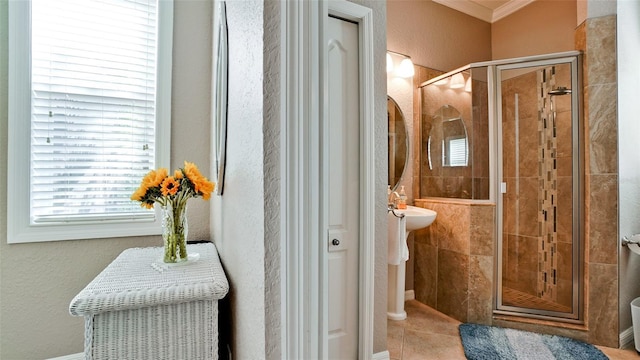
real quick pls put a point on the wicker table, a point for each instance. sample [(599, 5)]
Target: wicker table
[(140, 308)]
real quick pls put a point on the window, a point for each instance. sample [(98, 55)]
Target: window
[(89, 115), (455, 151)]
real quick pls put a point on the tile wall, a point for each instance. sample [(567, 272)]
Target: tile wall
[(455, 271), (596, 37)]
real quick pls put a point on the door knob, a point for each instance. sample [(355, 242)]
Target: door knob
[(335, 242)]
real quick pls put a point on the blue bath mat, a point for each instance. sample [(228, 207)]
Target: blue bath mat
[(483, 342)]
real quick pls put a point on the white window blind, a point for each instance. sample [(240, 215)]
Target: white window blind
[(457, 152), (93, 103)]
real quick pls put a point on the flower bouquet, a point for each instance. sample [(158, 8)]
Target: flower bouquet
[(172, 193)]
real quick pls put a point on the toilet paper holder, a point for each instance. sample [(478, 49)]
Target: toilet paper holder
[(633, 239), (632, 242)]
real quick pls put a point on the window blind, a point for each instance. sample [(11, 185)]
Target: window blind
[(93, 105), (458, 152)]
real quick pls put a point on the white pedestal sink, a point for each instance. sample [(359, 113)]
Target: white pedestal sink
[(416, 218)]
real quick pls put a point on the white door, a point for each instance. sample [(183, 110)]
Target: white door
[(343, 170)]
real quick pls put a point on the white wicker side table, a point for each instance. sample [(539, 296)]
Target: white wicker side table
[(140, 308)]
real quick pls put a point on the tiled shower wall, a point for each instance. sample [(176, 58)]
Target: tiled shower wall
[(455, 249), (596, 37), (537, 167)]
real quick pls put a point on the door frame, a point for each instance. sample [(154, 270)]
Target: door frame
[(574, 60), (304, 98)]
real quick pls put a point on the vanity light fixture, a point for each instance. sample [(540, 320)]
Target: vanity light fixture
[(405, 68), (389, 63), (441, 82), (467, 85), (457, 81)]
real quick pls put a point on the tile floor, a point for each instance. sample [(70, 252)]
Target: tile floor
[(517, 298), (429, 335)]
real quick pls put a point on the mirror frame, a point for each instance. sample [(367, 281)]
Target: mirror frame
[(220, 95), (407, 142)]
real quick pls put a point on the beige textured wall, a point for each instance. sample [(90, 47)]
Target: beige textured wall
[(38, 281), (541, 27), (271, 170), (436, 36), (380, 134), (238, 230)]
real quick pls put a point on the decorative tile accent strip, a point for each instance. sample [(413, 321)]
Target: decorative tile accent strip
[(548, 175)]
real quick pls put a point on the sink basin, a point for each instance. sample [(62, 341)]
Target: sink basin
[(417, 218)]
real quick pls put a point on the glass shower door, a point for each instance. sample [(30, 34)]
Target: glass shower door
[(539, 202)]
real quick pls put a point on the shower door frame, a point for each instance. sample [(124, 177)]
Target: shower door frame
[(494, 74)]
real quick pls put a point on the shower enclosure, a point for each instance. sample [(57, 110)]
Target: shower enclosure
[(520, 121)]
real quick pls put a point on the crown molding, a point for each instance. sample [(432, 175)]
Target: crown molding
[(469, 8), (483, 13), (509, 8)]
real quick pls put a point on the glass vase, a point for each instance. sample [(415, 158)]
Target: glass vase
[(174, 231)]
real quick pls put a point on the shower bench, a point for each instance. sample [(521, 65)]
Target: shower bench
[(141, 308)]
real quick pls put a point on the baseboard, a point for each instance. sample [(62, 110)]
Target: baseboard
[(383, 355), (626, 339), (78, 356), (409, 295)]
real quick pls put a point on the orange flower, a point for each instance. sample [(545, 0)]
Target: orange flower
[(170, 186), (158, 186), (139, 194), (148, 205), (204, 187), (191, 171), (201, 185), (154, 178), (161, 174)]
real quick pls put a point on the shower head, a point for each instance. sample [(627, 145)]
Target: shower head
[(560, 90)]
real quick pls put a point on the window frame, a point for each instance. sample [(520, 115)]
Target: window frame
[(19, 227)]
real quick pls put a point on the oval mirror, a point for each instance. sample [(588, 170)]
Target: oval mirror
[(398, 142), (448, 142)]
